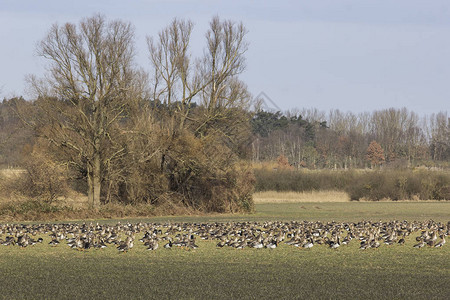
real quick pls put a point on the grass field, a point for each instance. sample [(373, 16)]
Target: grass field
[(389, 272), (328, 211)]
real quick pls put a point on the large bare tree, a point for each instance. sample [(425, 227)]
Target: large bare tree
[(223, 61), (203, 102), (90, 86)]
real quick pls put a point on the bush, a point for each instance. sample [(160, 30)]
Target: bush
[(29, 206), (401, 185), (181, 172), (370, 185), (30, 209), (44, 178), (301, 181)]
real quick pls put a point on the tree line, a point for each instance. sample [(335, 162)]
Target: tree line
[(314, 139)]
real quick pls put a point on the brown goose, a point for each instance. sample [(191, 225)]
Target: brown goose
[(441, 243), (126, 246), (152, 245), (420, 245)]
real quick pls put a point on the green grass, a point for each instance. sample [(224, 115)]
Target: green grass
[(357, 211), (326, 211), (395, 272)]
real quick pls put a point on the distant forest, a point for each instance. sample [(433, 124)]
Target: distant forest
[(313, 139), (308, 139)]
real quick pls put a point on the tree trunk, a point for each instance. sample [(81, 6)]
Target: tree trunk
[(94, 182), (90, 186)]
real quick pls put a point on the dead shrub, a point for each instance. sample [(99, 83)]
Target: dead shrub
[(181, 173), (209, 177), (45, 179)]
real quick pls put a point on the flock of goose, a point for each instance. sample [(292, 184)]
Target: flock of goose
[(238, 235)]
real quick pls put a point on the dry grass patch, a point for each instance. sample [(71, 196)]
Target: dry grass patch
[(74, 200), (11, 173), (297, 197), (8, 179)]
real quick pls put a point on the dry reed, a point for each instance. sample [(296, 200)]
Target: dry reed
[(294, 197)]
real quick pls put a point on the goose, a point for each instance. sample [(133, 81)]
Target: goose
[(420, 245), (335, 244), (308, 244), (153, 245), (54, 242), (9, 241), (271, 245), (430, 239), (241, 245), (34, 242), (86, 244), (402, 240), (279, 237), (100, 244), (390, 239), (293, 240), (441, 243), (374, 244), (257, 245), (146, 237), (169, 244), (23, 241), (255, 241), (125, 246), (346, 240), (191, 243), (77, 244), (221, 243), (434, 236), (364, 245)]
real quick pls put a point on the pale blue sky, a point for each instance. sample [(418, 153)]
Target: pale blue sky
[(353, 55)]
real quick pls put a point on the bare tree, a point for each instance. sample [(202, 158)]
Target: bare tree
[(217, 125), (90, 86), (212, 80), (224, 59), (225, 97), (176, 81), (440, 136), (313, 115)]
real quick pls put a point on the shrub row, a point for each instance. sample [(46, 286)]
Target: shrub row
[(400, 185), (299, 181), (369, 185)]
